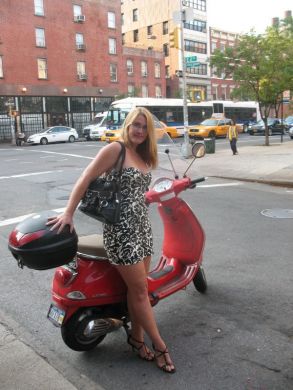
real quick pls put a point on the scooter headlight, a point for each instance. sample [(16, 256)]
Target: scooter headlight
[(162, 184)]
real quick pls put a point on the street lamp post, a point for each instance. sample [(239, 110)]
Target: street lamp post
[(10, 105), (186, 146)]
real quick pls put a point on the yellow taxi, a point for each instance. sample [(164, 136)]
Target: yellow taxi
[(160, 127), (212, 128)]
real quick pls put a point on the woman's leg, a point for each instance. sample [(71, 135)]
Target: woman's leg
[(141, 309), (137, 331)]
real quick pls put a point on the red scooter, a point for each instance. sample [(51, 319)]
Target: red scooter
[(88, 294)]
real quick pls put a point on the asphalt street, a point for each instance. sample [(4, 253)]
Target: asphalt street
[(237, 336)]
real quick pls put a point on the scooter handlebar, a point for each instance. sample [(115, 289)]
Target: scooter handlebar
[(194, 182)]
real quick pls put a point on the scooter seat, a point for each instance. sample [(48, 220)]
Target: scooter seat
[(92, 245)]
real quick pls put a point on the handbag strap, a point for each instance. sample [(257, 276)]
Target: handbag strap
[(120, 160)]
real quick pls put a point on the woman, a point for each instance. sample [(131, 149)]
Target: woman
[(233, 135), (129, 243)]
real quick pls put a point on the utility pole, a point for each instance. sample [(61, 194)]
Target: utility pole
[(186, 146)]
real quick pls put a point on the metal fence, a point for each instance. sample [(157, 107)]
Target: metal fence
[(32, 114)]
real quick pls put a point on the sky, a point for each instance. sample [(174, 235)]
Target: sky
[(241, 16)]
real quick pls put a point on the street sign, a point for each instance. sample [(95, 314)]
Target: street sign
[(179, 73), (192, 65), (190, 59)]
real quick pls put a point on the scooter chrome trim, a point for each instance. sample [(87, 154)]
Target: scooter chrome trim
[(102, 326)]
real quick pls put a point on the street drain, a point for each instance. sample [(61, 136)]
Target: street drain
[(277, 213)]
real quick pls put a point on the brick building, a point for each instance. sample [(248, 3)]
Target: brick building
[(62, 62), (221, 88)]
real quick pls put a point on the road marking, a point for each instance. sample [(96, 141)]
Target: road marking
[(219, 185), (28, 174), (63, 154), (12, 221)]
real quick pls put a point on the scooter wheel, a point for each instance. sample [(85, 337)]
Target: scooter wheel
[(75, 333), (199, 281)]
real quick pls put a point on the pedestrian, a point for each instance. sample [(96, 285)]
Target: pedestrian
[(129, 243), (233, 136)]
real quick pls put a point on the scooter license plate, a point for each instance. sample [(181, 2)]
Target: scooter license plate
[(56, 315)]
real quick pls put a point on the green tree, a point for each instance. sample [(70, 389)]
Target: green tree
[(261, 66)]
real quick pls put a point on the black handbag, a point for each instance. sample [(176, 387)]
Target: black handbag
[(102, 199)]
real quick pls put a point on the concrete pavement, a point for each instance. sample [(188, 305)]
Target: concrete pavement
[(24, 369)]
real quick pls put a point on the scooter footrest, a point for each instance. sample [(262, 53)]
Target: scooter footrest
[(162, 272)]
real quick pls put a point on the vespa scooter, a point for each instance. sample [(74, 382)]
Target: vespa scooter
[(88, 294)]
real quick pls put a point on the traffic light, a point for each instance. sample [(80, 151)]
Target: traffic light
[(174, 38)]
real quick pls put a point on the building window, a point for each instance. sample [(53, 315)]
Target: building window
[(40, 37), (144, 91), (157, 70), (42, 68), (144, 68), (195, 47), (123, 39), (79, 39), (135, 15), (197, 4), (158, 91), (167, 71), (165, 28), (149, 30), (1, 68), (214, 46), (166, 49), (196, 25), (135, 35), (129, 64), (130, 90), (112, 46), (201, 69), (122, 19), (111, 20), (77, 11), (80, 68), (113, 72), (39, 8)]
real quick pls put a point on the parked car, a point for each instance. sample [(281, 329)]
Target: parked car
[(160, 127), (288, 122), (275, 126), (247, 125), (212, 128), (95, 129), (53, 134)]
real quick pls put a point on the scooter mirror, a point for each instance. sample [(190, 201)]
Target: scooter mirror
[(198, 150)]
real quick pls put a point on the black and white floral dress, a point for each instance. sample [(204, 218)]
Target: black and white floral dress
[(130, 240)]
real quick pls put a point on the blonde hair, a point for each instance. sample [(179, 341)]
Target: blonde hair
[(148, 149)]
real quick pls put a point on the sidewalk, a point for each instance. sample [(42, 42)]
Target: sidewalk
[(263, 164), (22, 368)]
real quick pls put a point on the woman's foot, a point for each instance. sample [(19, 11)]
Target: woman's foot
[(139, 346), (164, 361)]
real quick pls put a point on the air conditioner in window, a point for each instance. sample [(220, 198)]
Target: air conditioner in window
[(82, 76), (80, 46), (144, 74), (79, 18)]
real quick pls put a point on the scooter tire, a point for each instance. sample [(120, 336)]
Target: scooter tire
[(200, 282), (72, 333)]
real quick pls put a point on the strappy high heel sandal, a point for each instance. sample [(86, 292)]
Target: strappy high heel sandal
[(148, 355), (167, 367)]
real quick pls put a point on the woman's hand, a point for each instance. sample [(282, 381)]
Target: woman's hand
[(60, 221)]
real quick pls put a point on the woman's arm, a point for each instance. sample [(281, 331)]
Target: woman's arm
[(102, 163)]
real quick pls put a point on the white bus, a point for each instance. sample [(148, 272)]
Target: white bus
[(170, 111)]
